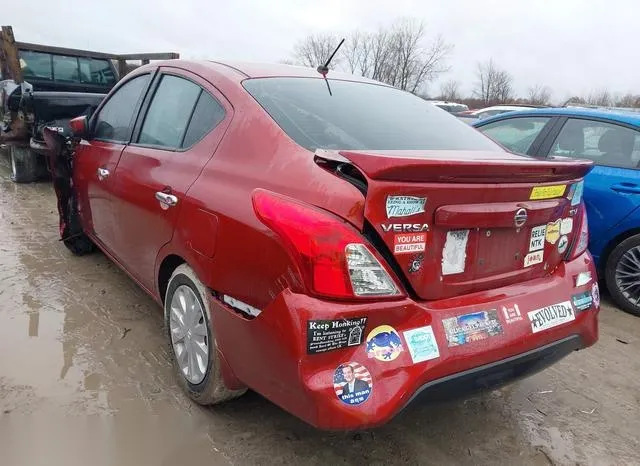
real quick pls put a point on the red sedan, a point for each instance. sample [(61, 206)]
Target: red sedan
[(337, 245)]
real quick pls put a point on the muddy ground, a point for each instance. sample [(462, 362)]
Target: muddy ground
[(85, 379)]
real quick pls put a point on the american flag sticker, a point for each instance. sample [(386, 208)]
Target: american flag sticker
[(352, 383)]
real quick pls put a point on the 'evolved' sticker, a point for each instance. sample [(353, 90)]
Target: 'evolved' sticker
[(582, 301), (471, 327), (566, 225), (404, 206), (384, 343), (408, 242), (551, 316), (547, 192), (595, 294), (327, 335), (422, 344), (454, 252), (511, 314), (533, 258), (563, 242), (536, 242), (553, 231), (352, 383)]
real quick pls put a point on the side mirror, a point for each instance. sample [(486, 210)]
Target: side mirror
[(80, 127)]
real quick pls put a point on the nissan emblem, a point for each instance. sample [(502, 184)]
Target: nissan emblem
[(520, 218)]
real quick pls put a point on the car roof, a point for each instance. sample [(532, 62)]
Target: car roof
[(630, 118)]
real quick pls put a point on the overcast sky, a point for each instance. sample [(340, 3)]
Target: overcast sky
[(573, 46)]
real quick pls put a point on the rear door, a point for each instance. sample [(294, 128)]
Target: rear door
[(96, 159), (612, 188), (180, 127)]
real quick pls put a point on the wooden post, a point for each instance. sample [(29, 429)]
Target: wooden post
[(9, 59), (122, 68)]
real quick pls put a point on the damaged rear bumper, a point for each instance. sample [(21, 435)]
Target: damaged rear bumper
[(276, 355)]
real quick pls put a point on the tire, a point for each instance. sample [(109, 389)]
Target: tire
[(24, 164), (210, 389), (620, 265)]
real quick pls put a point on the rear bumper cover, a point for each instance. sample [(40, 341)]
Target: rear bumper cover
[(270, 353)]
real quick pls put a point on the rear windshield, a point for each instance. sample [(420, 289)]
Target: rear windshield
[(360, 116)]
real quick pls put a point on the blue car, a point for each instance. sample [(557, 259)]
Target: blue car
[(611, 190)]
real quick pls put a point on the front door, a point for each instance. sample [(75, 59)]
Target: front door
[(96, 159), (181, 129), (612, 188)]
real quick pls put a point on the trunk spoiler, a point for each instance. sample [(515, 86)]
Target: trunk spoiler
[(458, 166)]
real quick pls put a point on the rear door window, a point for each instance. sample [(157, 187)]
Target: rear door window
[(114, 121), (605, 143), (35, 64), (206, 116), (169, 113), (516, 134)]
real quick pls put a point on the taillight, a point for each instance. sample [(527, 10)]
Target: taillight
[(334, 259), (581, 241)]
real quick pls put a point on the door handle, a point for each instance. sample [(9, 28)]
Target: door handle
[(166, 200), (628, 188), (103, 173)]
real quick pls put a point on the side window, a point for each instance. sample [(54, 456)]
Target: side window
[(95, 71), (65, 69), (207, 115), (114, 120), (604, 143), (169, 113), (516, 134), (35, 64)]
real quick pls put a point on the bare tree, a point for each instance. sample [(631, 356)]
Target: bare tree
[(539, 95), (601, 97), (494, 85), (315, 50), (396, 55), (450, 90), (628, 100)]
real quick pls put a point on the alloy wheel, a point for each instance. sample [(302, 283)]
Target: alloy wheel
[(627, 275)]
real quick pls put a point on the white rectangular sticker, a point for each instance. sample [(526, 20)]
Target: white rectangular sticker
[(533, 258), (454, 252), (551, 316), (409, 242), (566, 225), (422, 344), (405, 206), (577, 193), (536, 242)]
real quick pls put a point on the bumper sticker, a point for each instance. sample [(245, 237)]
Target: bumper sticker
[(533, 258), (422, 344), (415, 264), (454, 252), (553, 231), (547, 192), (384, 343), (352, 383), (595, 295), (563, 242), (328, 335), (582, 301), (536, 241), (405, 206), (408, 243), (566, 225), (511, 314), (472, 327), (551, 316)]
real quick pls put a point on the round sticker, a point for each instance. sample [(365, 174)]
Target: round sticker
[(384, 344), (352, 383), (595, 295), (563, 242)]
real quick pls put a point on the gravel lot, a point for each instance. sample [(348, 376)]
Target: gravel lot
[(85, 379)]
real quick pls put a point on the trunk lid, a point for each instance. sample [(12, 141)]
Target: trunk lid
[(459, 222)]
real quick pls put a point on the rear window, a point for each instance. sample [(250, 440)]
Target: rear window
[(360, 116), (35, 64)]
